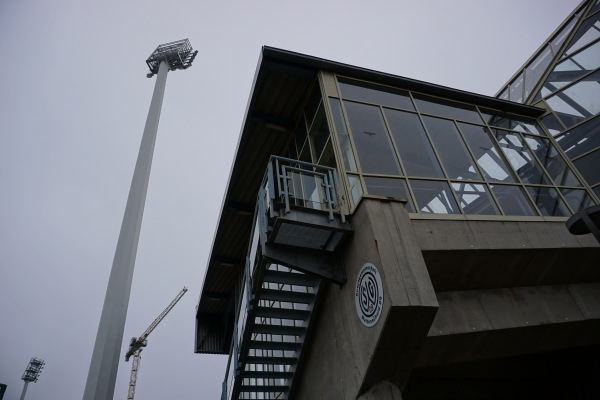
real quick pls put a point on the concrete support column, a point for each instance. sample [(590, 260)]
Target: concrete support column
[(102, 374)]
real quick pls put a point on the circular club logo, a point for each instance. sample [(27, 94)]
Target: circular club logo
[(369, 295)]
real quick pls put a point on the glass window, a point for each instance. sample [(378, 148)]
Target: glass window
[(312, 105), (486, 154), (456, 160), (587, 33), (512, 200), (447, 109), (588, 167), (355, 188), (389, 187), (597, 190), (555, 165), (413, 145), (340, 127), (516, 89), (534, 71), (319, 132), (371, 139), (578, 199), (562, 35), (300, 134), (578, 102), (474, 198), (508, 121), (434, 197), (376, 94), (521, 158), (552, 124), (582, 139), (548, 201)]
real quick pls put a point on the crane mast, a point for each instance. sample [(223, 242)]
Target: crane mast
[(136, 345)]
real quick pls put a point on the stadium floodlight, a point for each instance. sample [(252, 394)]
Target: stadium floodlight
[(32, 373)]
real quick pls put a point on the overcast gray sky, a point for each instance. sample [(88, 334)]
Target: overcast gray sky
[(73, 103)]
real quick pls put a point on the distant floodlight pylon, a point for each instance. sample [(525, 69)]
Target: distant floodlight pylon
[(102, 374), (32, 373)]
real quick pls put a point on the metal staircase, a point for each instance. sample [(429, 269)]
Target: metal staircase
[(296, 233)]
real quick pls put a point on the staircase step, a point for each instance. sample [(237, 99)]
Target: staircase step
[(282, 313), (290, 278), (286, 296), (263, 388), (268, 374), (271, 360), (279, 329), (272, 345)]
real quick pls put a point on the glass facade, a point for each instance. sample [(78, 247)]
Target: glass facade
[(564, 78)]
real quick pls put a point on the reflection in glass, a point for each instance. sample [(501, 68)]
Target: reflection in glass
[(535, 69), (562, 35), (587, 33), (376, 94), (582, 139), (448, 109), (596, 190), (548, 201), (516, 89), (371, 139), (306, 190), (520, 158), (552, 125), (434, 197), (486, 154), (578, 199), (556, 167), (577, 102), (411, 141), (456, 160), (319, 132), (588, 167), (474, 198), (512, 200), (512, 122), (355, 188), (389, 187), (340, 127)]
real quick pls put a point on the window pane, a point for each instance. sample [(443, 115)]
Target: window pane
[(556, 167), (474, 198), (562, 35), (411, 141), (371, 139), (447, 109), (486, 154), (576, 66), (319, 132), (548, 201), (577, 102), (587, 33), (578, 199), (582, 139), (434, 197), (452, 150), (521, 158), (508, 121), (512, 200), (588, 167), (376, 94), (355, 188), (389, 187), (340, 127), (534, 71), (516, 89), (551, 123)]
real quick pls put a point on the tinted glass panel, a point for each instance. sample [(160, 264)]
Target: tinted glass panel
[(474, 198), (447, 109), (507, 121), (486, 154), (548, 201), (551, 123), (556, 167), (355, 188), (376, 95), (577, 102), (434, 197), (587, 33), (371, 139), (534, 71), (449, 145), (588, 166), (389, 187), (521, 158), (413, 145), (516, 89), (597, 191), (577, 199), (582, 139), (344, 139), (512, 200), (319, 132), (562, 35)]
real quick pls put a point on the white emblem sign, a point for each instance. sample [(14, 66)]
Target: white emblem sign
[(369, 295)]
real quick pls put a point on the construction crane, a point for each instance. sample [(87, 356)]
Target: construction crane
[(136, 345)]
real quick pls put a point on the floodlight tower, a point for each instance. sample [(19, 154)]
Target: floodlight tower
[(102, 374), (32, 373)]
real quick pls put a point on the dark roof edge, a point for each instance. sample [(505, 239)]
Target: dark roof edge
[(289, 57)]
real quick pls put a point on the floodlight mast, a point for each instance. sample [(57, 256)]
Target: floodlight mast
[(32, 373), (102, 375)]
